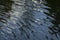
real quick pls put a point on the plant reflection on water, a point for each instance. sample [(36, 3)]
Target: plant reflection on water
[(29, 20)]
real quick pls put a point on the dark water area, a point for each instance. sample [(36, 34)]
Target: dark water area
[(29, 19)]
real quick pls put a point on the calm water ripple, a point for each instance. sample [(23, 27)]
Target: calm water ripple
[(29, 20)]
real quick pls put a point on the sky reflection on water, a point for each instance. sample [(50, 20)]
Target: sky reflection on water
[(29, 20)]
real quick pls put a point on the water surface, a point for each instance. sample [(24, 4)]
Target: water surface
[(29, 20)]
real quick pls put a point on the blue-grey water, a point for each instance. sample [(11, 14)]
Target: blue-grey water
[(29, 20)]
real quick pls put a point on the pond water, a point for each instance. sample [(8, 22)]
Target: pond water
[(29, 20)]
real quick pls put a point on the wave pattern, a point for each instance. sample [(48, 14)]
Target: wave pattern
[(27, 20)]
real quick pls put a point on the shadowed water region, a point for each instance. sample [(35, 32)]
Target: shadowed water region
[(29, 19)]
